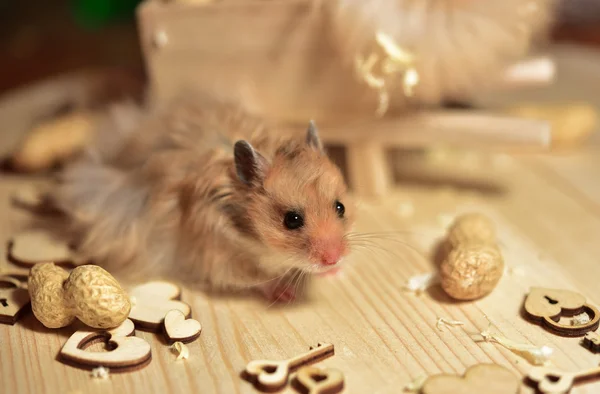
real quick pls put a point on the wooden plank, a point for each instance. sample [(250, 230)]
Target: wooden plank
[(459, 128)]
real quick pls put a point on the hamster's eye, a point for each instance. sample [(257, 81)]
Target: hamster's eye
[(340, 209), (293, 220)]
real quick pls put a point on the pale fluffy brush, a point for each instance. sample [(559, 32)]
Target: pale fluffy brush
[(459, 46)]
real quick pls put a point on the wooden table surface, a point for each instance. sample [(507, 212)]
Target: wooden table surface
[(547, 211)]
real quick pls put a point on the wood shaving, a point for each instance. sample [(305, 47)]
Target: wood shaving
[(100, 373), (581, 319), (419, 283), (416, 385), (534, 354), (443, 322), (181, 350), (515, 271), (387, 62)]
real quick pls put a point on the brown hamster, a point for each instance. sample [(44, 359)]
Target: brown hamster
[(204, 192)]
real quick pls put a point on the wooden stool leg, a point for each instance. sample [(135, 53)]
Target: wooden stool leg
[(368, 169)]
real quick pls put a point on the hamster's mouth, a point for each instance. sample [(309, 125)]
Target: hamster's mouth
[(324, 270)]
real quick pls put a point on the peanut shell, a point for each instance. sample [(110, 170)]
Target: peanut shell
[(471, 271), (48, 300), (97, 298), (471, 228)]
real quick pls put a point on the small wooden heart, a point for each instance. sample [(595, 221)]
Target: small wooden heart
[(37, 246), (151, 301), (180, 329), (13, 300), (546, 306), (480, 378), (125, 351), (313, 380)]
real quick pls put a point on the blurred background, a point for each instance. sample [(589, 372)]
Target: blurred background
[(41, 38)]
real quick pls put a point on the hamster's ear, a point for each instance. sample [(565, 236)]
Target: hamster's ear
[(251, 166), (312, 137)]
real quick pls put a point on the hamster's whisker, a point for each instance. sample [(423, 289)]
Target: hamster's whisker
[(295, 284), (371, 238), (270, 280), (394, 232), (375, 248), (287, 285), (302, 282)]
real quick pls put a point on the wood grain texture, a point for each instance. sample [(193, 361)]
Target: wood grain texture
[(384, 337), (547, 221)]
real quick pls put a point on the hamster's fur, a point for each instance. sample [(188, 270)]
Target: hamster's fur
[(198, 191)]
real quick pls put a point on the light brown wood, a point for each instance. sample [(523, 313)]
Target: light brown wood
[(384, 337), (553, 381), (272, 375), (126, 352), (313, 380), (367, 142), (546, 306), (469, 129), (592, 342), (179, 329), (368, 169), (480, 378), (152, 301)]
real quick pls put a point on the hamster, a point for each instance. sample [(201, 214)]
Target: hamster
[(203, 192)]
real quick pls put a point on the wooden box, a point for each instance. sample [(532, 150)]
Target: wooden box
[(276, 54)]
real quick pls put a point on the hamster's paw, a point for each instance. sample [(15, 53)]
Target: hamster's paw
[(279, 293)]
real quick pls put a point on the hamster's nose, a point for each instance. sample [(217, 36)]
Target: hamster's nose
[(331, 255)]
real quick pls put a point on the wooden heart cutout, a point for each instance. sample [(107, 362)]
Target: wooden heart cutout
[(152, 301), (546, 306), (127, 351), (37, 246), (179, 329), (592, 341), (313, 380), (13, 300), (480, 378)]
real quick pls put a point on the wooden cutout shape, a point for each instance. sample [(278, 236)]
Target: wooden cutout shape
[(552, 381), (477, 379), (592, 341), (128, 351), (37, 246), (546, 306), (152, 301), (13, 300), (313, 380), (179, 329), (270, 375)]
